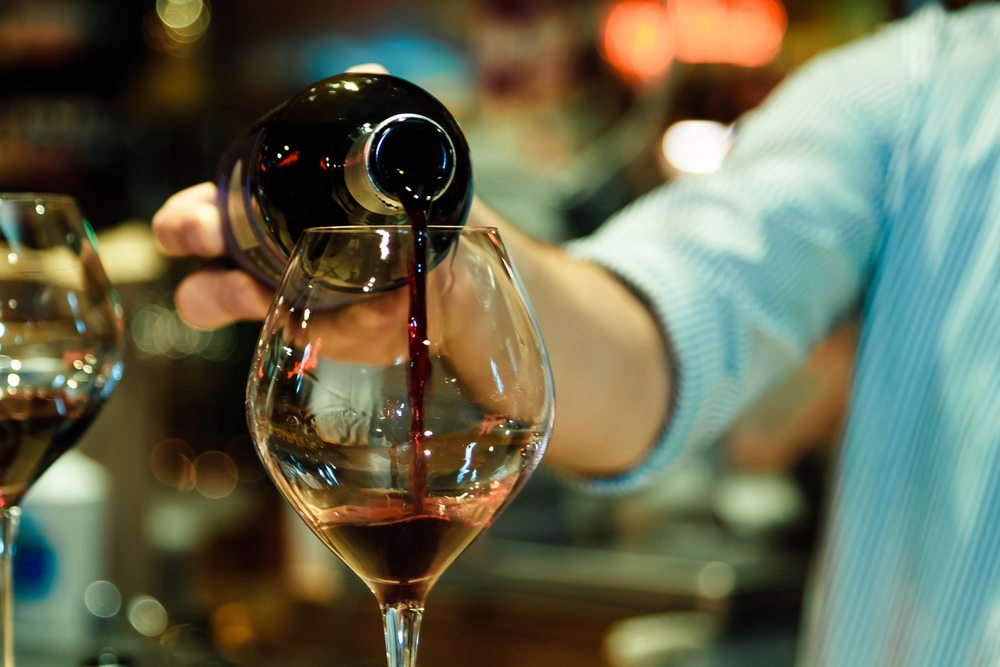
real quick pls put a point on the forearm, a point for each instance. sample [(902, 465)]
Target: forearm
[(609, 358)]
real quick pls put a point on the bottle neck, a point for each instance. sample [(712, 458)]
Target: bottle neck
[(405, 157)]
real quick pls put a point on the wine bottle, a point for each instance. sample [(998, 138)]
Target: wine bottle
[(347, 150)]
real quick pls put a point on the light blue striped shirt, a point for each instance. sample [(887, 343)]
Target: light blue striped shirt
[(869, 178)]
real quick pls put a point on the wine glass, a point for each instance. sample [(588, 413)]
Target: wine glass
[(399, 427), (60, 352)]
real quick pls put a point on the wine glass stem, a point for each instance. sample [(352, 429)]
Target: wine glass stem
[(10, 518), (402, 630)]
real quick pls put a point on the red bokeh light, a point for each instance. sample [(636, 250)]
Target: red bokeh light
[(640, 38), (637, 40), (741, 32)]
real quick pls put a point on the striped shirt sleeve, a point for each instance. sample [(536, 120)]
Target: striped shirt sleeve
[(748, 267)]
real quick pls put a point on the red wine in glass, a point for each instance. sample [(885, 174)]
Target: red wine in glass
[(398, 548), (35, 430), (400, 559)]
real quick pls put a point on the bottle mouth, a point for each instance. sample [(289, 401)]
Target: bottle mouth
[(407, 158)]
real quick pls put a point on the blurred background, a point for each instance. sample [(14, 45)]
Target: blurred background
[(161, 542)]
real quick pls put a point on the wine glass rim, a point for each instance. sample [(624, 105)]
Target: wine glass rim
[(357, 229), (35, 196)]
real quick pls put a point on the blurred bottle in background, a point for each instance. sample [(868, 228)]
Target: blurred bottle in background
[(63, 550)]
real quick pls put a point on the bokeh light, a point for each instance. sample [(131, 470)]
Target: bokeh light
[(177, 26), (172, 462), (147, 615), (103, 599), (641, 38), (179, 14), (659, 639), (216, 475), (107, 657), (716, 580), (696, 146), (232, 627), (159, 332), (752, 503), (741, 32), (637, 39)]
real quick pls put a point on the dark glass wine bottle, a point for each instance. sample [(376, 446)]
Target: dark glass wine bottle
[(347, 150)]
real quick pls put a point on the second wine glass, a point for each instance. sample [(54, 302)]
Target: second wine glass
[(61, 347), (399, 428)]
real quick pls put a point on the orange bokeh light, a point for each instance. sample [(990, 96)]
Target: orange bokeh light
[(637, 40), (640, 38), (741, 32)]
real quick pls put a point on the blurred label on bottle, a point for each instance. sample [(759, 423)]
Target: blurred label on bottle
[(61, 549)]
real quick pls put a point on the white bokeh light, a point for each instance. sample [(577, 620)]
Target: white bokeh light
[(697, 146), (147, 616), (102, 599)]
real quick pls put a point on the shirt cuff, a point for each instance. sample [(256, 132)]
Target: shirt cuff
[(692, 318)]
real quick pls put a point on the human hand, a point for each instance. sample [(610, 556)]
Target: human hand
[(189, 224)]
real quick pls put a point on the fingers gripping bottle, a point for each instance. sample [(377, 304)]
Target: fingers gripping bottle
[(344, 151)]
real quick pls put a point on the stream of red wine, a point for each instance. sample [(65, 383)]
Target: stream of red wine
[(412, 162), (401, 558), (419, 371)]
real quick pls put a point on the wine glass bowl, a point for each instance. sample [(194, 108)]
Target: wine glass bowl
[(397, 460), (60, 336), (60, 349)]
